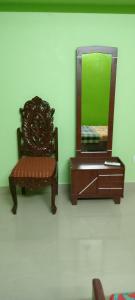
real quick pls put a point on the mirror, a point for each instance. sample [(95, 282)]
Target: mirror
[(96, 72)]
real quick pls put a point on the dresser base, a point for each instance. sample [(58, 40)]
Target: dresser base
[(91, 179)]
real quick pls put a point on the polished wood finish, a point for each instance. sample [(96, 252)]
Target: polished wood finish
[(37, 143), (37, 128), (97, 290), (90, 178), (93, 49)]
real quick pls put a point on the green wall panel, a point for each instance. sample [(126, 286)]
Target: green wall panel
[(37, 57)]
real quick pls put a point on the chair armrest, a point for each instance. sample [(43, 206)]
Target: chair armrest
[(97, 290)]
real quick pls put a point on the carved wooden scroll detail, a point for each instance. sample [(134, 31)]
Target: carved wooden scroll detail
[(37, 128)]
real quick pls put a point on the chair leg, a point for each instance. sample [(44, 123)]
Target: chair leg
[(53, 190), (23, 191), (56, 184), (12, 187)]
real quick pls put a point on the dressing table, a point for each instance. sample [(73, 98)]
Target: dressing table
[(91, 175)]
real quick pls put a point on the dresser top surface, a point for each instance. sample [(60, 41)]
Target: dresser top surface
[(78, 163)]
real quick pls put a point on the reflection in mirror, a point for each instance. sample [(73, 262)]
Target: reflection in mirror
[(95, 95)]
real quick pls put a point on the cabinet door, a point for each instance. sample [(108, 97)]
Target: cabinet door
[(84, 183)]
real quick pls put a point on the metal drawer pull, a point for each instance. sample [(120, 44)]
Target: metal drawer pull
[(111, 175), (110, 188), (88, 185)]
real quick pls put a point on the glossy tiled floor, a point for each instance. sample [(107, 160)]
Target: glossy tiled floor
[(55, 257)]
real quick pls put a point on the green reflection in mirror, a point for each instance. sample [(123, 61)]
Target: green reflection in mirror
[(96, 75)]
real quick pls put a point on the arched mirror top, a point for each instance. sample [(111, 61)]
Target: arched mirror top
[(96, 76)]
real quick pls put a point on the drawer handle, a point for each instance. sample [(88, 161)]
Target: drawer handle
[(110, 188), (110, 175), (88, 185)]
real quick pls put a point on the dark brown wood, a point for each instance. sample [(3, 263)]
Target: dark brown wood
[(117, 200), (97, 290), (12, 187), (23, 191), (93, 49), (36, 138), (91, 178), (37, 128)]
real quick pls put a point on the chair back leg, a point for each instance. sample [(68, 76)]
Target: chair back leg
[(23, 191), (12, 187), (53, 191)]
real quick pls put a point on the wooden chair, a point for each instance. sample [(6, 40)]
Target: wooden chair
[(38, 151), (98, 293), (97, 290)]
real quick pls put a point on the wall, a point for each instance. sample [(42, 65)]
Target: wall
[(37, 57)]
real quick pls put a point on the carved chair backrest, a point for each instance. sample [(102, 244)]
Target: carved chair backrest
[(37, 131)]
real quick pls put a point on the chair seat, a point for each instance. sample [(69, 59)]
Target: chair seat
[(34, 167)]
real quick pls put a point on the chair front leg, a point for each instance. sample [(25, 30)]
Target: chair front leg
[(53, 191), (12, 187)]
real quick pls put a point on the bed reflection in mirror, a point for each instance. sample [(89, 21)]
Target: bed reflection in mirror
[(95, 95)]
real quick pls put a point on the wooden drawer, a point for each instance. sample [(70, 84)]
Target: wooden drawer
[(110, 183), (110, 192), (114, 180)]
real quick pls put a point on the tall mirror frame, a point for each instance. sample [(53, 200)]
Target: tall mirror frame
[(88, 50)]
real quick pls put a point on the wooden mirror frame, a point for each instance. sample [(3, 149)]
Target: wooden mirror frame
[(87, 50)]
